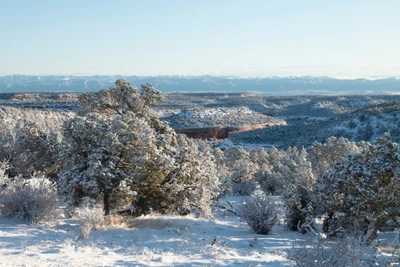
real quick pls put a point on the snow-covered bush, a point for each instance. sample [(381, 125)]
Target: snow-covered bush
[(260, 214), (90, 218), (33, 200), (329, 253)]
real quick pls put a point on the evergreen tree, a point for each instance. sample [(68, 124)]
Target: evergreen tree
[(36, 151), (323, 156), (298, 189), (117, 149), (363, 187)]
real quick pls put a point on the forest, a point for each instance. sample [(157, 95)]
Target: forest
[(325, 173)]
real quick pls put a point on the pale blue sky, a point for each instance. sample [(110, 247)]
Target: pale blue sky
[(340, 38)]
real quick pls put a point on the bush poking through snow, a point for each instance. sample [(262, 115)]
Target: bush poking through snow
[(33, 200), (260, 214), (329, 253), (90, 219)]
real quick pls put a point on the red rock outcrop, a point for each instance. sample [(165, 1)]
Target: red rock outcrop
[(206, 133), (217, 132)]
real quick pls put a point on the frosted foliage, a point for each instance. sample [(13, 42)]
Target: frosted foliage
[(100, 153), (15, 120), (364, 187), (288, 173), (225, 186), (120, 99), (119, 151), (193, 181), (298, 191), (33, 200), (324, 156), (241, 171), (150, 95), (36, 151), (329, 253), (89, 219), (260, 214), (273, 170), (3, 176)]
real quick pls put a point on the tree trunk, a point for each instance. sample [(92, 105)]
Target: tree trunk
[(106, 204), (326, 222)]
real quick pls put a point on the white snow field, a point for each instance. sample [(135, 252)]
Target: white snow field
[(154, 240)]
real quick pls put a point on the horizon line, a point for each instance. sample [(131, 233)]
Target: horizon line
[(369, 77)]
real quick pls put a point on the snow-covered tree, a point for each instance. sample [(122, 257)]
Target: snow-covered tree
[(241, 170), (197, 177), (272, 171), (289, 173), (298, 190), (323, 156), (117, 149), (225, 187), (36, 151), (363, 187)]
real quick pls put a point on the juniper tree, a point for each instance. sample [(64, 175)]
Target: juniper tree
[(298, 187), (118, 149), (241, 170), (36, 151), (323, 156), (364, 187)]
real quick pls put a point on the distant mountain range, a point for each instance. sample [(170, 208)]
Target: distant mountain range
[(271, 86)]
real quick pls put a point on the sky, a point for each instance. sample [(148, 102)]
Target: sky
[(245, 38)]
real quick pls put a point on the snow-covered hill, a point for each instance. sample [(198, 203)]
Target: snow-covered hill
[(217, 117)]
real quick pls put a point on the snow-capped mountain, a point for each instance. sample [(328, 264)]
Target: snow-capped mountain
[(306, 85)]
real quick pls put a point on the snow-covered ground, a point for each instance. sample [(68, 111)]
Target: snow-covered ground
[(154, 240)]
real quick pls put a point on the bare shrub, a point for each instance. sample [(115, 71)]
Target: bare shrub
[(329, 253), (260, 214), (33, 200)]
